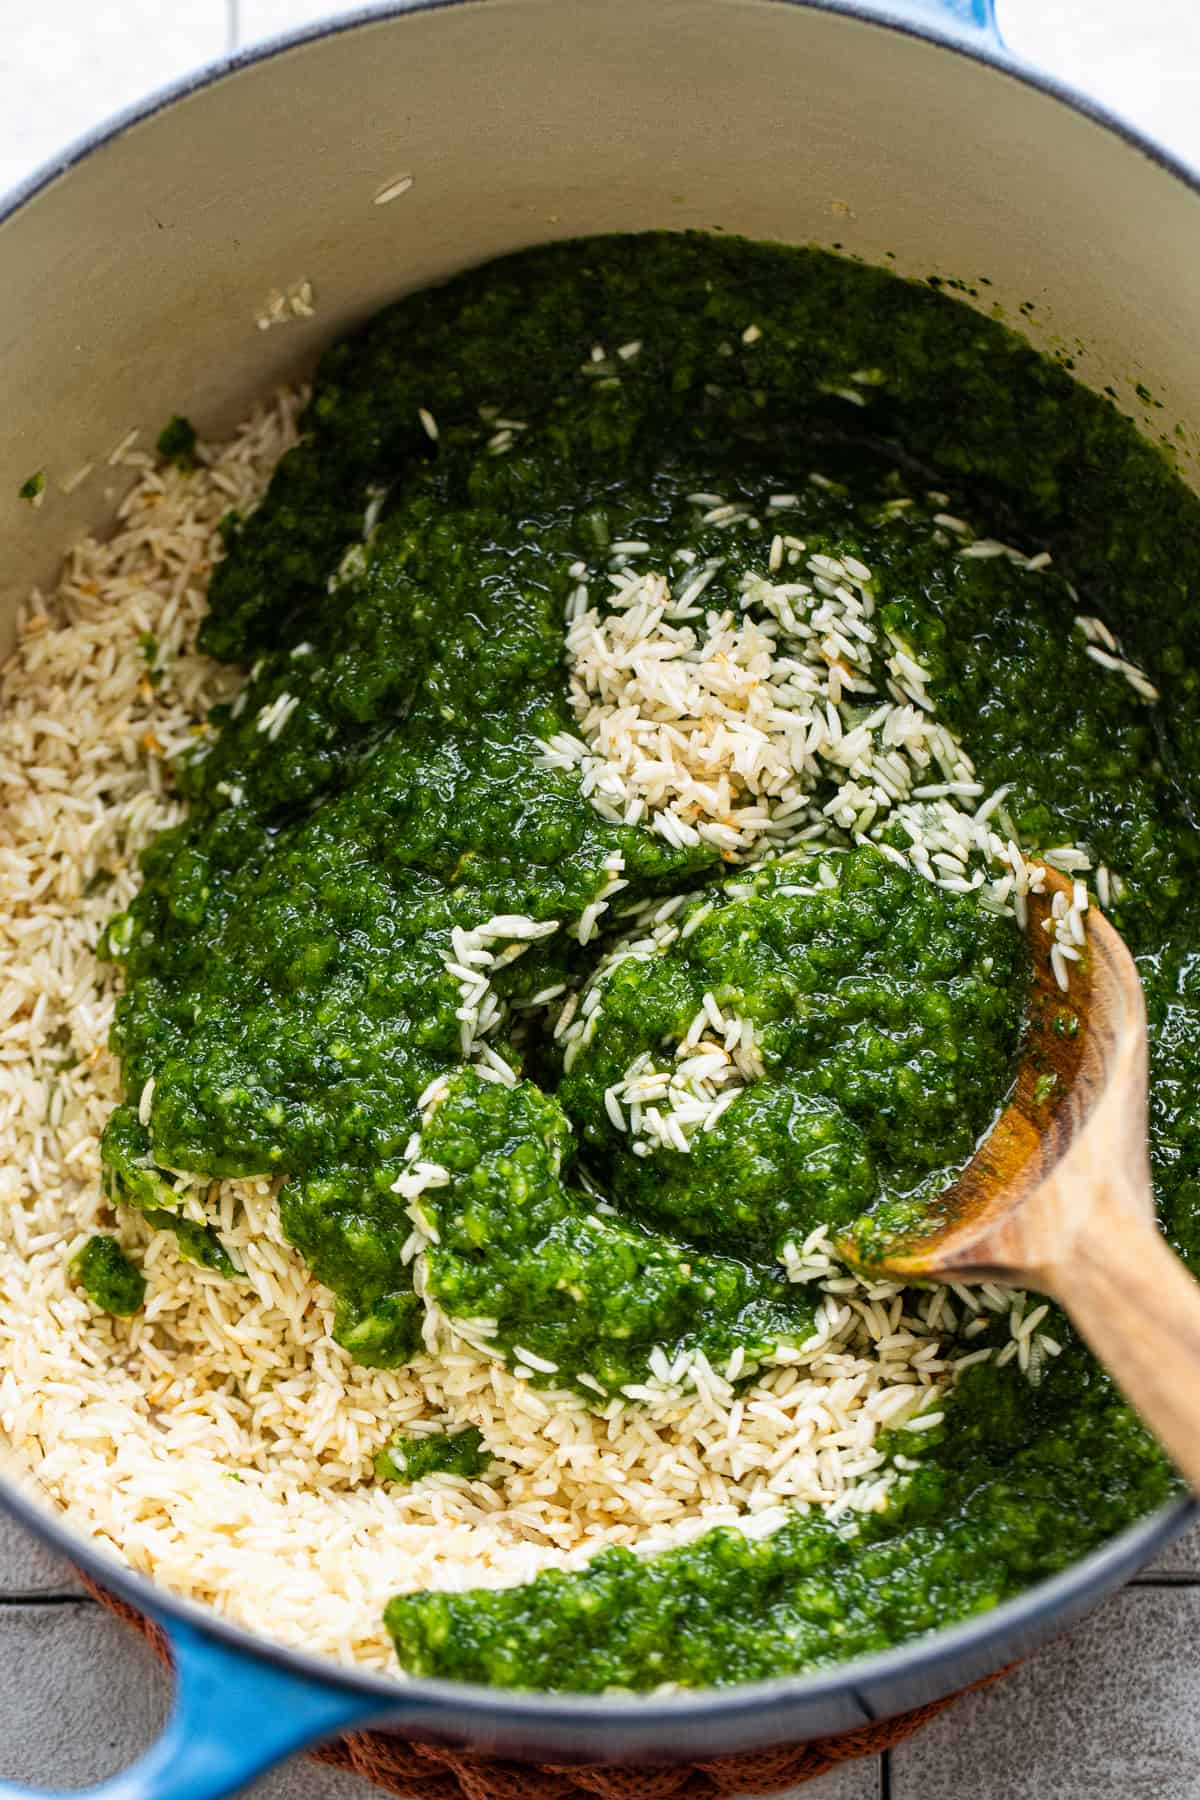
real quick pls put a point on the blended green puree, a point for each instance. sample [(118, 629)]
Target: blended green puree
[(107, 1276), (410, 1458), (380, 787)]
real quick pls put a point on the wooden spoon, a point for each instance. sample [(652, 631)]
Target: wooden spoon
[(1058, 1197)]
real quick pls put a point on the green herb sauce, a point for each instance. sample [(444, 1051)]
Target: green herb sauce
[(410, 1458), (108, 1278), (381, 783), (887, 1019), (177, 443)]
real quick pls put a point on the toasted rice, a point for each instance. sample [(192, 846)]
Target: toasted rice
[(220, 1441)]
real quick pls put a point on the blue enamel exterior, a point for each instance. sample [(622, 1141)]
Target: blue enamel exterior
[(240, 1707), (234, 1716)]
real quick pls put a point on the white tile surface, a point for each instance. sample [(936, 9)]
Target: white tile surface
[(27, 1567), (1110, 1713), (73, 63), (1141, 60), (78, 1698)]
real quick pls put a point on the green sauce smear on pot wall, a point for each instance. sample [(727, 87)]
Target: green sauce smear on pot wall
[(381, 783)]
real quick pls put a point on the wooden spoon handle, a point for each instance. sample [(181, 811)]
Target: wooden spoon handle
[(1139, 1309)]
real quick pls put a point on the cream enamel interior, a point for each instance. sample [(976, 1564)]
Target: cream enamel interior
[(132, 283)]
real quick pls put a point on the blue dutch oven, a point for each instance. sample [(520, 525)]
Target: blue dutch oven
[(381, 154)]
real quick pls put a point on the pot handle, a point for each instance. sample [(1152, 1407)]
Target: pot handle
[(974, 19), (235, 1714)]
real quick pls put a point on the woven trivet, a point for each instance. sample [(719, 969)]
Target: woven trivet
[(434, 1772)]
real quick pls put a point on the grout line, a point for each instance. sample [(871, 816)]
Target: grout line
[(1167, 1580), (42, 1599), (867, 1710), (885, 1775)]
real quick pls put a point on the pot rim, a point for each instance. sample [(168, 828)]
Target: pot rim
[(435, 1698), (432, 1696), (980, 44)]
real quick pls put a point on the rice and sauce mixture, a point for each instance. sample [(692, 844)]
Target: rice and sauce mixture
[(500, 904)]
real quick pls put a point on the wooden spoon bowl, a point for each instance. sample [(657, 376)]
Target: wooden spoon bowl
[(1058, 1195)]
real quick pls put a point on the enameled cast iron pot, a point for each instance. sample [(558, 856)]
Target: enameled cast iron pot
[(132, 277)]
